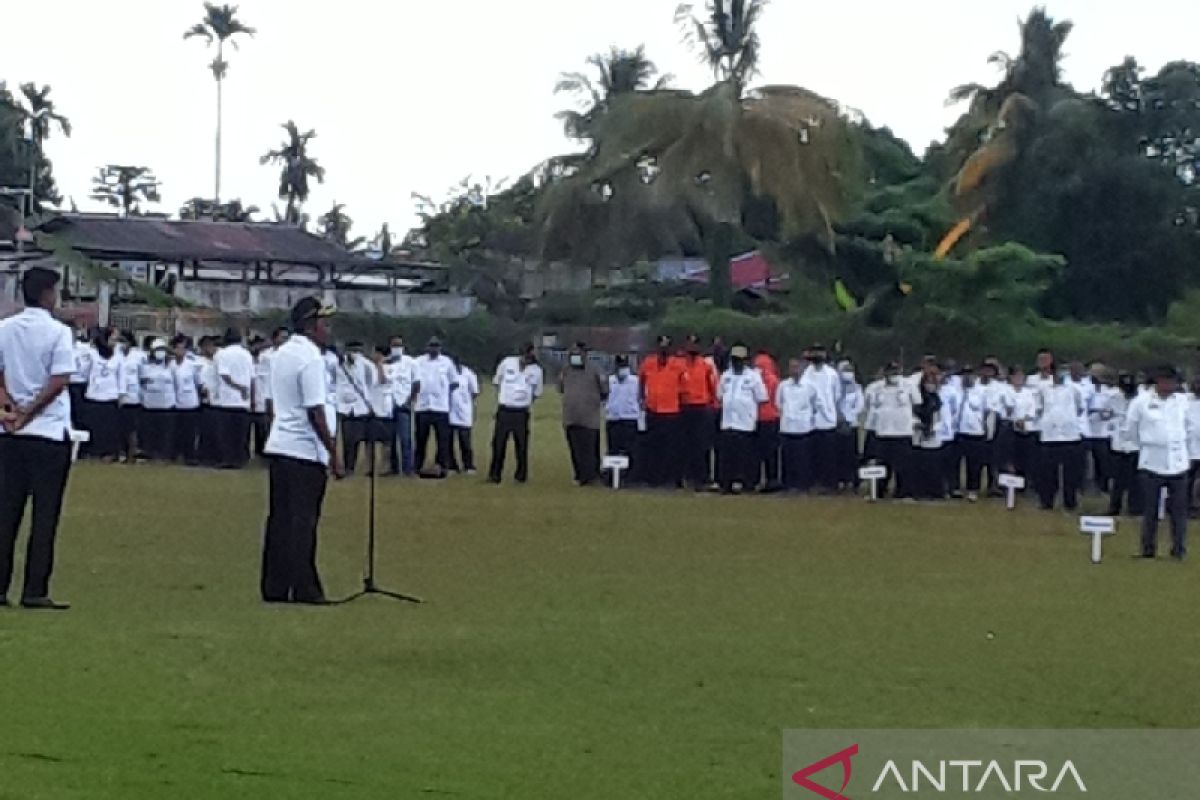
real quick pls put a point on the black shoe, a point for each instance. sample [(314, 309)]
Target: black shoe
[(43, 604)]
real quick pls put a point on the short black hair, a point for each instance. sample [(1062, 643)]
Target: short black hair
[(233, 336), (147, 341), (36, 282)]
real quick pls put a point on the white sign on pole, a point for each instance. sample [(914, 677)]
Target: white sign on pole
[(1011, 484), (1097, 528), (78, 438), (873, 474), (1162, 503), (616, 465)]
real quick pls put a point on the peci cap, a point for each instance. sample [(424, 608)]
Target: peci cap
[(739, 351), (310, 308)]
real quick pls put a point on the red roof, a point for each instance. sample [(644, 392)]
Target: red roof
[(750, 271)]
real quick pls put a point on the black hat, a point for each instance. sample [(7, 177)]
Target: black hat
[(309, 308)]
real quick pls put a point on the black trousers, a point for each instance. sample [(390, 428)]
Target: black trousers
[(103, 421), (1126, 490), (289, 561), (697, 432), (37, 469), (437, 424), (976, 451), (260, 429), (622, 437), (797, 462), (1177, 511), (895, 453), (461, 440), (584, 444), (511, 423), (210, 436), (354, 433), (187, 436), (131, 424), (952, 454), (664, 450), (766, 446), (739, 460), (1024, 458), (847, 457), (233, 437), (1060, 462), (824, 446), (76, 392), (157, 436), (928, 480), (1098, 452)]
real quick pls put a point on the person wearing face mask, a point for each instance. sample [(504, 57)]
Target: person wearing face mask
[(741, 391), (158, 404), (1060, 407), (661, 377), (101, 399), (928, 470), (462, 417), (401, 372), (185, 368), (828, 386), (974, 423), (1159, 423), (621, 411), (437, 381), (1124, 493), (797, 403), (584, 390), (893, 406), (850, 412), (519, 382), (355, 380)]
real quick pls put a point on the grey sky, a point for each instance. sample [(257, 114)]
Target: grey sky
[(412, 96)]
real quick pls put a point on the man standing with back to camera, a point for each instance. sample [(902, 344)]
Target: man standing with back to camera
[(301, 451), (36, 362)]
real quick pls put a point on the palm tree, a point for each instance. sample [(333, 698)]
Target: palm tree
[(296, 167), (335, 225), (233, 211), (726, 36), (39, 114), (220, 24), (40, 111), (125, 187), (617, 72), (383, 242)]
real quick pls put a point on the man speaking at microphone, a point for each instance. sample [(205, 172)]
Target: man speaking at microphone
[(301, 451)]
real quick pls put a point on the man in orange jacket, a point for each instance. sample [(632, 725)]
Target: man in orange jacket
[(661, 379), (767, 433), (699, 399)]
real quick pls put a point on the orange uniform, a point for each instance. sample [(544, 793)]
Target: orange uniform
[(699, 382), (768, 411), (662, 384)]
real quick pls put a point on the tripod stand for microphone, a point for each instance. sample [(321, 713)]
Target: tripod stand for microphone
[(369, 585)]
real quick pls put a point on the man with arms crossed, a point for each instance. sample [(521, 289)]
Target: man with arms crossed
[(37, 359), (301, 450)]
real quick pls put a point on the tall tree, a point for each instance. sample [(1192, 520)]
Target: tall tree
[(726, 35), (233, 211), (25, 124), (296, 166), (125, 187), (616, 72), (220, 25)]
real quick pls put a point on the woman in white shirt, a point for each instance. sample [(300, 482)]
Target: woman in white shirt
[(186, 367), (974, 422), (893, 404), (740, 392), (928, 462), (157, 382), (101, 398), (131, 397), (797, 402), (622, 410), (462, 418), (851, 405), (1060, 406), (1125, 491)]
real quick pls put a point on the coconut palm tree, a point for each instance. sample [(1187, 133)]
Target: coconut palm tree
[(220, 25), (125, 187), (335, 225), (726, 35), (296, 167), (37, 116), (616, 72)]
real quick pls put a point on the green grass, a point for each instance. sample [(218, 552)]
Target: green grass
[(575, 644)]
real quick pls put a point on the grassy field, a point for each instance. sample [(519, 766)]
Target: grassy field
[(575, 643)]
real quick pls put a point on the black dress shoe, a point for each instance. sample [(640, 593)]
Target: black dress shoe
[(43, 604)]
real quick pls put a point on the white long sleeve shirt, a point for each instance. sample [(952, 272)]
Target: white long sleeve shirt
[(1059, 409), (1193, 414), (1118, 408), (797, 404), (158, 386), (1034, 383), (462, 402), (187, 382), (893, 407), (1161, 428), (83, 352), (105, 379), (948, 419), (740, 397), (235, 365), (131, 383), (623, 404), (356, 377), (974, 412), (827, 383), (851, 404)]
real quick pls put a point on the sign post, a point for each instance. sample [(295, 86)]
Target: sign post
[(78, 438), (873, 474), (1097, 528), (1162, 504), (616, 465), (1011, 484)]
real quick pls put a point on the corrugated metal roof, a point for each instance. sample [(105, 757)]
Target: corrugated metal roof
[(180, 240)]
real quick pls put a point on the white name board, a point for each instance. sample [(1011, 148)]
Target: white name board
[(1097, 526), (1011, 482), (872, 473), (616, 462)]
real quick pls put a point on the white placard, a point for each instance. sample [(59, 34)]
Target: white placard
[(1097, 526), (78, 438), (873, 473), (1011, 482), (616, 462)]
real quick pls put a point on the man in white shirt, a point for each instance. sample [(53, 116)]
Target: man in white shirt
[(974, 422), (1159, 423), (356, 377), (260, 412), (235, 397), (301, 452), (157, 381), (740, 391), (401, 372), (1096, 385), (621, 410), (519, 383), (79, 378), (894, 402), (435, 375), (1126, 491), (1060, 451), (951, 395), (462, 417), (37, 359), (210, 415), (797, 403), (186, 366), (827, 383)]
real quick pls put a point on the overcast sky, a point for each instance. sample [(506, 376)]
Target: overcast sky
[(412, 95)]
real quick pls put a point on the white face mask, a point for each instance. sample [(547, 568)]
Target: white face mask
[(576, 360), (160, 356), (623, 373), (397, 352)]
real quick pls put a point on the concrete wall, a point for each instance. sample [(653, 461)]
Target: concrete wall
[(235, 297)]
